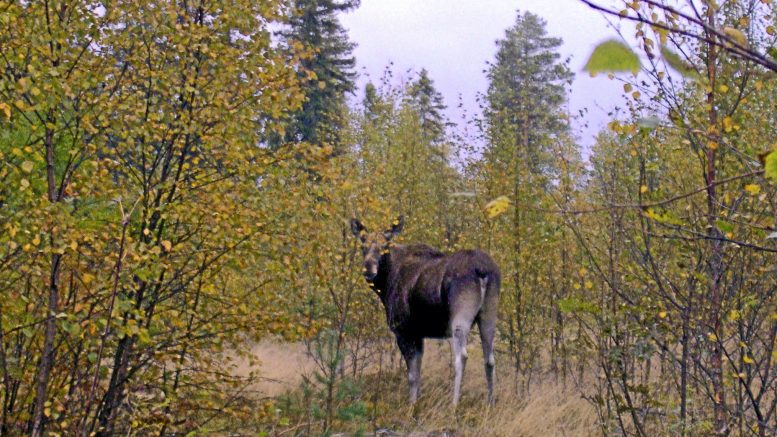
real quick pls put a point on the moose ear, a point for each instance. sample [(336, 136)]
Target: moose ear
[(357, 228), (396, 228)]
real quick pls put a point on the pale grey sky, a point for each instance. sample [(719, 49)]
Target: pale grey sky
[(453, 40)]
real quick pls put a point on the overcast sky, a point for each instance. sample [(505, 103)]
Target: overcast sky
[(453, 40)]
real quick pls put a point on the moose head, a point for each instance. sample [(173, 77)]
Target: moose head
[(375, 244)]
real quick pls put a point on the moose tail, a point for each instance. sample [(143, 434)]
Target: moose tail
[(489, 282)]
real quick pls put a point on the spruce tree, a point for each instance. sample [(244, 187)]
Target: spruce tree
[(428, 102), (527, 89), (327, 74), (525, 124)]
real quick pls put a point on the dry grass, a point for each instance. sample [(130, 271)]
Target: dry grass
[(280, 366), (548, 409)]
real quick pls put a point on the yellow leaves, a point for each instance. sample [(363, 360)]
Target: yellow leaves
[(728, 124), (24, 184), (662, 314), (19, 105), (26, 166), (643, 189), (662, 35), (753, 189), (747, 359), (662, 218), (723, 88), (167, 245), (737, 35), (23, 84), (6, 110), (497, 206), (87, 278)]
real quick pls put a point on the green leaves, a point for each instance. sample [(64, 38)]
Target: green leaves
[(650, 122), (724, 226), (577, 305), (677, 63), (612, 57)]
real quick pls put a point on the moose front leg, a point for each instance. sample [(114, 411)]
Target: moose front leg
[(413, 351)]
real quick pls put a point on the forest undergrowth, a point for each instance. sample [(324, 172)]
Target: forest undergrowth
[(550, 407)]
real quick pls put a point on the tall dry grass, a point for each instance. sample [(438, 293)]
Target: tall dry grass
[(549, 408)]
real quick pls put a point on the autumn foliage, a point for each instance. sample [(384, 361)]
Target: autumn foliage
[(166, 201)]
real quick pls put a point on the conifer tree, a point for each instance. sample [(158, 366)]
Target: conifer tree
[(524, 124), (327, 73), (527, 87), (428, 102)]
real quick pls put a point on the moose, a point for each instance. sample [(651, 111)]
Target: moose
[(427, 294)]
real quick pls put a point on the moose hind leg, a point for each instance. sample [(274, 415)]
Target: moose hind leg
[(413, 352), (487, 328), (459, 348)]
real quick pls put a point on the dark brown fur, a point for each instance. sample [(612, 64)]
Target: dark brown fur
[(427, 294)]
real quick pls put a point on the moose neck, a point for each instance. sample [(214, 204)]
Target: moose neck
[(380, 283)]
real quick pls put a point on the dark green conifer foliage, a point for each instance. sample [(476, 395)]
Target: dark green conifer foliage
[(527, 88), (428, 102), (315, 25), (526, 128)]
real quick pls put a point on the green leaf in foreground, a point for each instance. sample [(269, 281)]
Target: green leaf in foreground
[(649, 122), (677, 63), (724, 226), (770, 166), (612, 56), (576, 305), (771, 51)]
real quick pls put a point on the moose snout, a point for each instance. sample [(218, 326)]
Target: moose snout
[(370, 273)]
